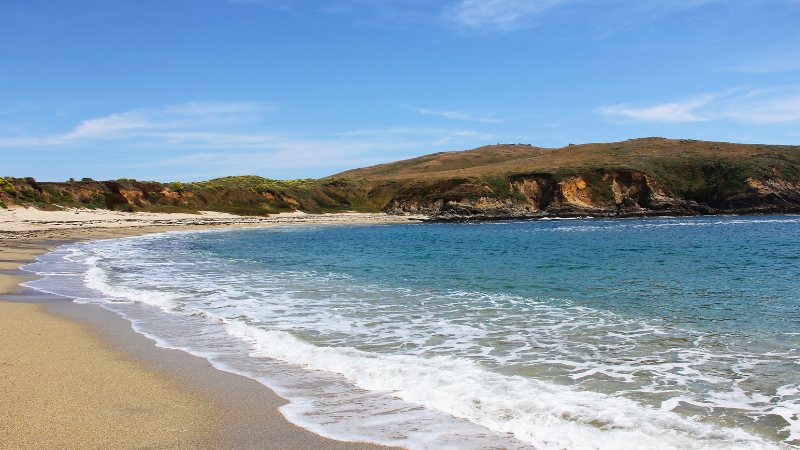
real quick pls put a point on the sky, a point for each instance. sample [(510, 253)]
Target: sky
[(190, 90)]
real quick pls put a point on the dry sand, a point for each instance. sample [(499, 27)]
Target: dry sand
[(63, 388), (27, 223), (77, 376)]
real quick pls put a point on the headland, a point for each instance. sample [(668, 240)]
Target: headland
[(634, 178)]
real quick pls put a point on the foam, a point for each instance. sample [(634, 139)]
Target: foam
[(547, 415), (599, 379), (639, 224)]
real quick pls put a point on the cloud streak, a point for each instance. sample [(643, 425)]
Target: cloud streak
[(491, 15), (503, 15), (171, 120), (216, 138), (461, 115), (342, 151), (510, 15), (668, 112), (759, 106)]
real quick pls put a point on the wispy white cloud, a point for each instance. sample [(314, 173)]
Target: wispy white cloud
[(491, 15), (462, 115), (422, 135), (173, 120), (509, 15), (452, 137), (217, 125), (765, 106), (504, 15), (760, 106), (283, 5), (284, 155), (357, 148), (670, 112), (216, 138)]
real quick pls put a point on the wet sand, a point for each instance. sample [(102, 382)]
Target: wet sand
[(77, 376)]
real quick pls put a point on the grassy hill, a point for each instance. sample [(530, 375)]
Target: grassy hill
[(245, 195), (649, 176), (662, 176), (647, 155)]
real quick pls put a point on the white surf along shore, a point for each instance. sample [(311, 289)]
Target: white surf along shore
[(429, 404)]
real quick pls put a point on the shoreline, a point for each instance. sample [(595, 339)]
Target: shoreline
[(29, 223), (59, 355)]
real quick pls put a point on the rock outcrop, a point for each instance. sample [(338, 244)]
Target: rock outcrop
[(244, 195), (638, 177), (621, 193)]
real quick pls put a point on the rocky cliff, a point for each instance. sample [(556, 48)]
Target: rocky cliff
[(640, 177), (245, 195), (614, 194)]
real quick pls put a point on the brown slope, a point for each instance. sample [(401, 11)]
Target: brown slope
[(649, 176), (639, 154), (638, 177)]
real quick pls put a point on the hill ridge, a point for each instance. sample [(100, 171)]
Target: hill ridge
[(637, 177)]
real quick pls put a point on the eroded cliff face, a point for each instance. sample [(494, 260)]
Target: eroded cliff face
[(538, 190), (130, 196), (622, 193), (766, 196), (248, 195), (465, 208), (573, 193), (716, 187)]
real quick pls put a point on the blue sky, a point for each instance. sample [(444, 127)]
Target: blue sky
[(195, 89)]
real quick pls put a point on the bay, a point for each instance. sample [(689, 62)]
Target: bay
[(637, 333)]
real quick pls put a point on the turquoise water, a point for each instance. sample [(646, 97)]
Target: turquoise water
[(577, 334)]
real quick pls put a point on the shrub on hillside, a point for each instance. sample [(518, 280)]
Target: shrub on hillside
[(7, 187)]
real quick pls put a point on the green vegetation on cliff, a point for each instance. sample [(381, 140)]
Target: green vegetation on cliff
[(721, 176), (246, 195), (637, 176)]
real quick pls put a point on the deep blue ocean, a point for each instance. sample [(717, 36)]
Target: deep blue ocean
[(658, 333)]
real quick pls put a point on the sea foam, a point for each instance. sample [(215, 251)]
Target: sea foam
[(441, 368)]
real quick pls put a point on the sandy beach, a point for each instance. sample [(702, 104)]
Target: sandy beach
[(77, 376), (29, 223)]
